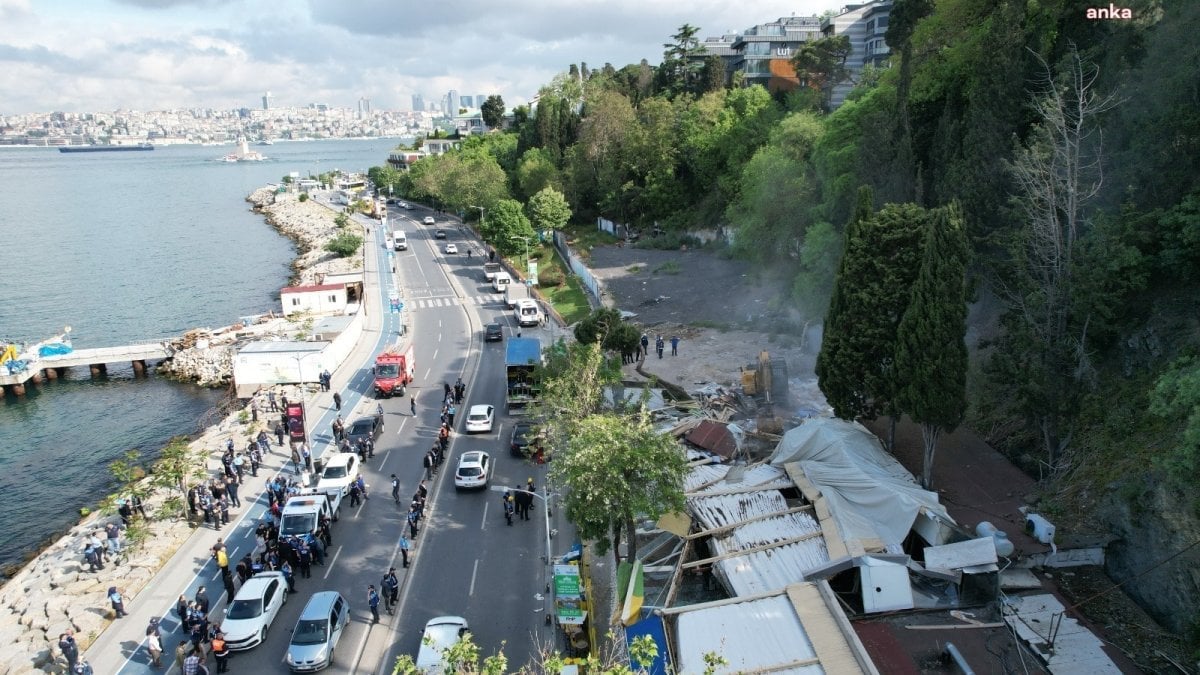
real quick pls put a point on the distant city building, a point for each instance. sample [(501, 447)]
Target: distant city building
[(418, 103), (480, 99), (266, 101), (452, 104), (865, 24), (364, 108), (467, 101)]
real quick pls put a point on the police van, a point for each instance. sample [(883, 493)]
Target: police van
[(302, 513)]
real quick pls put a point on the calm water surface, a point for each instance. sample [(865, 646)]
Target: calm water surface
[(121, 247)]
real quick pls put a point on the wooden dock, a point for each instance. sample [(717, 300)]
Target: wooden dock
[(41, 368)]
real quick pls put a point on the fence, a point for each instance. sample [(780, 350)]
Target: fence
[(591, 283)]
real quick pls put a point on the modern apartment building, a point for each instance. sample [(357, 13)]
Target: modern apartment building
[(763, 53), (418, 103), (865, 25)]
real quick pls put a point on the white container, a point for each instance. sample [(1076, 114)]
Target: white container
[(1040, 528), (1004, 547)]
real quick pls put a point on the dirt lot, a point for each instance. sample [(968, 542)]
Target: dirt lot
[(723, 311)]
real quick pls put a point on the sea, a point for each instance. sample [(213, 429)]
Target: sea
[(122, 247)]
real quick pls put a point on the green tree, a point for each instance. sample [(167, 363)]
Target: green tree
[(492, 111), (386, 179), (821, 64), (931, 351), (819, 257), (534, 172), (1176, 398), (606, 327), (548, 210), (344, 245), (507, 228), (177, 468), (616, 469), (712, 76), (856, 364), (683, 62)]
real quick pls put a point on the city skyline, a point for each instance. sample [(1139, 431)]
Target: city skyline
[(103, 55)]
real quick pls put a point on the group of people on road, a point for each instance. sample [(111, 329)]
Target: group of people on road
[(518, 501)]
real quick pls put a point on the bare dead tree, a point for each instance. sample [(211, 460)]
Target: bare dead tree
[(1058, 173)]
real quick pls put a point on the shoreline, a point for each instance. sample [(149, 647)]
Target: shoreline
[(52, 591)]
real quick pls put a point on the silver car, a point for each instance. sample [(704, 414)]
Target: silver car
[(317, 632)]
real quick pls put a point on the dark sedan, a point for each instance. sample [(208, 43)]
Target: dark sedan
[(364, 427), (524, 433), (493, 332)]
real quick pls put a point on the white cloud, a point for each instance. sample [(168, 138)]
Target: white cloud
[(82, 55)]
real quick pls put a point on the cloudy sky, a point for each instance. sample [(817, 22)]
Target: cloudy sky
[(95, 55)]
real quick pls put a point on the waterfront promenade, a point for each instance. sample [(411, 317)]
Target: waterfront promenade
[(120, 648)]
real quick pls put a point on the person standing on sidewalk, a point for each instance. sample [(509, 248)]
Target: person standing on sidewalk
[(412, 404), (391, 589), (373, 603), (154, 648), (405, 546), (395, 489), (220, 651), (337, 400)]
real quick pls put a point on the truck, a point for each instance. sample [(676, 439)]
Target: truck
[(302, 513), (515, 292), (522, 358), (490, 269), (394, 370)]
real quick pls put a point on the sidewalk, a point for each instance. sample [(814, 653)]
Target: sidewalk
[(121, 647)]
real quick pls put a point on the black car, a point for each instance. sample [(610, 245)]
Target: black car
[(364, 427), (523, 434), (439, 234), (493, 332)]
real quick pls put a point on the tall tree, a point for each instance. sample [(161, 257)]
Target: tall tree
[(821, 64), (507, 228), (682, 62), (492, 111), (548, 210), (931, 352), (1058, 174), (616, 469), (856, 364)]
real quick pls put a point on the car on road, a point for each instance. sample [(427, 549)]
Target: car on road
[(253, 610), (317, 632), (428, 220), (524, 433), (439, 234), (441, 633), (451, 249), (493, 332), (480, 419), (340, 471), (405, 205), (364, 427), (473, 470)]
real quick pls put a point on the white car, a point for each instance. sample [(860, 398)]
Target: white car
[(480, 418), (428, 220), (253, 610), (451, 249), (403, 205), (473, 470), (340, 471), (441, 633)]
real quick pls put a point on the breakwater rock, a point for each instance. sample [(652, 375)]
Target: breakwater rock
[(311, 225)]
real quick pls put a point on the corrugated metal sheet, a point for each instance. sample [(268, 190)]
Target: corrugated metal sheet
[(774, 568), (714, 436), (723, 477), (721, 510), (759, 635)]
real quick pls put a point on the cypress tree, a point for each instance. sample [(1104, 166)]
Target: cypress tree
[(931, 352)]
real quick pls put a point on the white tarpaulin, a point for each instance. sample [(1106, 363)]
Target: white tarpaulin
[(870, 494)]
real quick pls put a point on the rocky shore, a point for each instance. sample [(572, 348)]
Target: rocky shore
[(205, 356), (55, 591)]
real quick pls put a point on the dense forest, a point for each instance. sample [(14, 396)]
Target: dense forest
[(1066, 150)]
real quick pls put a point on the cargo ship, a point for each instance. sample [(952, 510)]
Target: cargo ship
[(105, 148)]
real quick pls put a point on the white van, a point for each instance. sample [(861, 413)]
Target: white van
[(528, 313), (500, 281), (399, 240)]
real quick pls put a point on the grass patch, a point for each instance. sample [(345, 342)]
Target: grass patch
[(569, 300), (669, 267), (585, 236), (634, 269)]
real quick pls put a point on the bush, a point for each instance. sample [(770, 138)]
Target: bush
[(551, 276), (303, 196), (669, 241), (344, 245)]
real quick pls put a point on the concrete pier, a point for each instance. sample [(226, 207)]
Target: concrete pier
[(97, 360)]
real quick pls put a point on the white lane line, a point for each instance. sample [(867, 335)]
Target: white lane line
[(483, 522), (427, 372), (360, 507), (435, 352), (385, 459), (402, 423), (474, 571), (331, 561), (439, 337)]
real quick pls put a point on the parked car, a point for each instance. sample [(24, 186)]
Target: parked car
[(523, 434), (439, 234), (493, 332), (440, 634), (317, 632), (428, 220), (340, 471), (451, 249), (253, 610), (480, 419), (364, 427), (474, 469)]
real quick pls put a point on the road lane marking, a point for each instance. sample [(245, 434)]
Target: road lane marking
[(474, 571), (402, 423), (483, 523), (435, 352), (331, 561), (427, 372)]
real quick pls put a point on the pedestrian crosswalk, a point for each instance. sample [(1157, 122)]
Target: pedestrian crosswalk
[(453, 301)]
